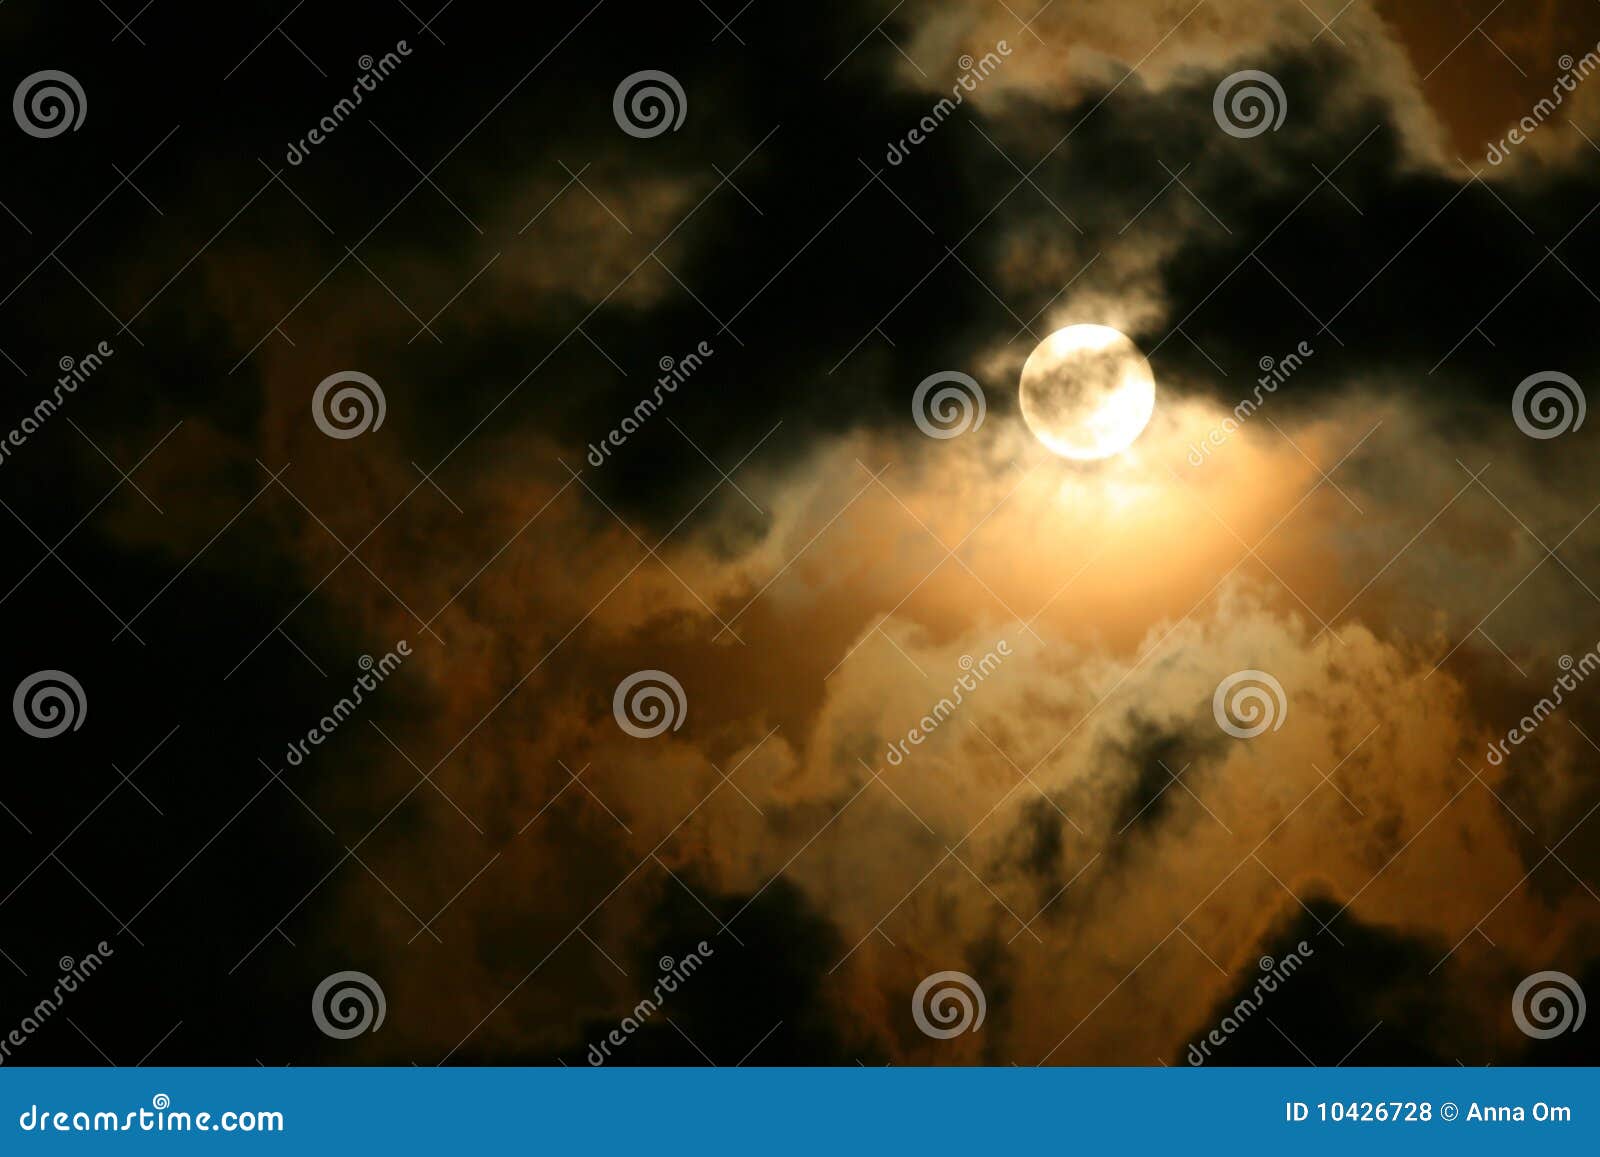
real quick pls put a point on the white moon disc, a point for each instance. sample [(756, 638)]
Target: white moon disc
[(1087, 392)]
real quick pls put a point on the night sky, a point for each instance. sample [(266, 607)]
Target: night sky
[(501, 396)]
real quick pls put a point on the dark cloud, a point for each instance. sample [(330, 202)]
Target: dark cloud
[(1330, 997), (1157, 762), (758, 997)]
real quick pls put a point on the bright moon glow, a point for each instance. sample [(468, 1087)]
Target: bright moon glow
[(1087, 392)]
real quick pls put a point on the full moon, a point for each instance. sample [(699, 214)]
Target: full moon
[(1087, 392)]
